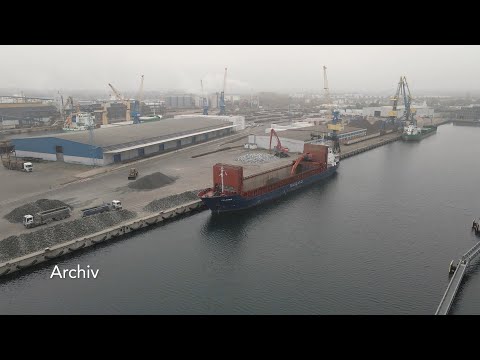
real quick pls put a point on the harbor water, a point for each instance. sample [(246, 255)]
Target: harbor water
[(376, 238)]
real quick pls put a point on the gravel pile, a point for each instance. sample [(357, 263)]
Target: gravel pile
[(172, 201), (16, 215), (152, 181), (15, 246), (256, 158)]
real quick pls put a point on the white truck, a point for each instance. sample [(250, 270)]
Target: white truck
[(15, 164), (44, 217), (114, 205)]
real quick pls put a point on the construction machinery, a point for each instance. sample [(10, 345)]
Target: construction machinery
[(222, 95), (132, 174), (10, 160), (123, 100), (205, 100), (44, 217), (114, 205), (279, 150), (408, 115)]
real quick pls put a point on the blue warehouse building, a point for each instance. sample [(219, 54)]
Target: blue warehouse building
[(123, 143)]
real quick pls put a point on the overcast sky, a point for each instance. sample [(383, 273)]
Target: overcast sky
[(261, 68)]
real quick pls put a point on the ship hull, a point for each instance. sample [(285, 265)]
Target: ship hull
[(417, 137), (222, 204)]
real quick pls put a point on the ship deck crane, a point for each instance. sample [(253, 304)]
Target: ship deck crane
[(280, 151), (204, 100), (123, 100), (222, 95)]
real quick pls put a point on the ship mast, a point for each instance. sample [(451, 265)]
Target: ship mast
[(222, 173)]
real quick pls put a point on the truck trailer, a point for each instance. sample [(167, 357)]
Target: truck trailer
[(16, 164), (114, 205), (44, 217)]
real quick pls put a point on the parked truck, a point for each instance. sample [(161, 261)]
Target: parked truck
[(16, 164), (114, 205), (44, 217)]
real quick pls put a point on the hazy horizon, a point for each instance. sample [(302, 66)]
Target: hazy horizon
[(251, 68)]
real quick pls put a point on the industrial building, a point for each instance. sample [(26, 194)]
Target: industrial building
[(383, 111), (123, 143), (295, 138)]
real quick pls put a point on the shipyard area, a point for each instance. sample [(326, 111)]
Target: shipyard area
[(81, 174)]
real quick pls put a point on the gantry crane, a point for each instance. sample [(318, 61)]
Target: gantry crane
[(123, 100), (204, 100), (137, 106), (222, 95)]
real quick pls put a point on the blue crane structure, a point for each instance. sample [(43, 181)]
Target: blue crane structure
[(408, 115), (222, 96)]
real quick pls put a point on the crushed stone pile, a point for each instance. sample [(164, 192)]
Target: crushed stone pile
[(16, 215), (256, 158), (152, 181), (19, 245), (172, 201)]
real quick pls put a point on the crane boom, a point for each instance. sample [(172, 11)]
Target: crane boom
[(140, 96), (123, 100), (325, 85), (222, 95)]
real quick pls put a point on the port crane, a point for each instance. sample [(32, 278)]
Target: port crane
[(280, 151), (222, 95), (408, 115), (205, 100), (137, 106), (336, 125), (123, 100)]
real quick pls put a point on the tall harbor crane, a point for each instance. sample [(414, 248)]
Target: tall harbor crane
[(408, 115), (137, 106), (204, 100), (222, 95), (325, 86), (336, 125), (123, 100)]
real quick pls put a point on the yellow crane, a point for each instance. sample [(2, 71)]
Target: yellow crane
[(123, 100), (336, 124)]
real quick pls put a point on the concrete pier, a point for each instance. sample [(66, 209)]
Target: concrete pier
[(112, 233)]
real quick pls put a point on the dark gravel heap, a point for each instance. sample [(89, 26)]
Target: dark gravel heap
[(152, 181), (16, 215), (172, 201), (15, 246)]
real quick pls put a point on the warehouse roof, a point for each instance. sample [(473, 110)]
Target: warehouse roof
[(304, 132), (110, 138)]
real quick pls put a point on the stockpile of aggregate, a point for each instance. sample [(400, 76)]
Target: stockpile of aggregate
[(19, 245), (172, 201), (256, 158), (152, 181), (16, 215)]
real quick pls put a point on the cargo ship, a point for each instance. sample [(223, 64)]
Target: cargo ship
[(414, 133), (231, 191)]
